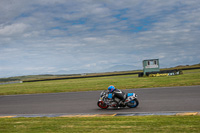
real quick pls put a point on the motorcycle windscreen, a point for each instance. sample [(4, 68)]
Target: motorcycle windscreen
[(110, 95), (129, 94)]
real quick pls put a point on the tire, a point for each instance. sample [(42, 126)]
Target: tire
[(133, 104), (102, 105)]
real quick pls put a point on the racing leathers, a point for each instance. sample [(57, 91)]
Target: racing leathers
[(118, 96)]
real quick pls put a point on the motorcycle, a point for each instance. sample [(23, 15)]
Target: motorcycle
[(106, 100)]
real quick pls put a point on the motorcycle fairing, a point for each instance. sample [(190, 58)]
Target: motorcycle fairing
[(129, 94), (130, 97), (110, 95)]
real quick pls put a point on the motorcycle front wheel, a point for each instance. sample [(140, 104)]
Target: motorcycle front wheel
[(133, 104), (102, 105)]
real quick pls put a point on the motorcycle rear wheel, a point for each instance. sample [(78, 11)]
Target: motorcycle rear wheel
[(133, 104), (102, 105)]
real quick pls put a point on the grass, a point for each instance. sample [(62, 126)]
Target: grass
[(168, 124), (190, 77)]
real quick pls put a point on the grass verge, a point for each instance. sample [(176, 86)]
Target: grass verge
[(109, 124), (190, 77)]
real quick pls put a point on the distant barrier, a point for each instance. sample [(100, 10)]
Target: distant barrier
[(165, 72), (84, 76), (12, 82), (91, 76)]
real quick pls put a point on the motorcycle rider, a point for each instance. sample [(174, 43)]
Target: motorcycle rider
[(116, 93)]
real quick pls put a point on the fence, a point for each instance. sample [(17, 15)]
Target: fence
[(12, 82)]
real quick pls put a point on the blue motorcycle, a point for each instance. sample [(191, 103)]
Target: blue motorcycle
[(106, 101)]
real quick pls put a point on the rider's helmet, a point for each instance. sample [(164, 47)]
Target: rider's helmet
[(111, 88)]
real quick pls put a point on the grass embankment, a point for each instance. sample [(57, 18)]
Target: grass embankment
[(168, 124), (190, 77)]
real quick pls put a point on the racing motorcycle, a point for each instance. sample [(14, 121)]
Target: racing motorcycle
[(106, 100)]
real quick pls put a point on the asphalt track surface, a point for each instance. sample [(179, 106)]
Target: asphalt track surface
[(165, 99)]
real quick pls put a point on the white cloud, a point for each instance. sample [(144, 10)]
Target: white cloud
[(13, 29)]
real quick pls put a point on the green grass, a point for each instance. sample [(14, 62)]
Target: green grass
[(168, 124), (190, 77), (162, 124)]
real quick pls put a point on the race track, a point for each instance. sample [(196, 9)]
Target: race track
[(166, 99)]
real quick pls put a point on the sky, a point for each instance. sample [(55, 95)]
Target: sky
[(87, 36)]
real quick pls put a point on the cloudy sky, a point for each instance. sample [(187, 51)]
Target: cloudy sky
[(80, 36)]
